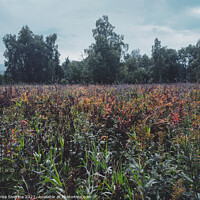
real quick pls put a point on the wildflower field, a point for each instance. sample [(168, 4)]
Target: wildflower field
[(101, 142)]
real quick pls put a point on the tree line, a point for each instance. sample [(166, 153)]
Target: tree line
[(32, 58)]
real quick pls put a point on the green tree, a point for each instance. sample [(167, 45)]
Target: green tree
[(105, 55), (132, 61), (145, 62), (197, 62), (55, 71), (76, 71), (158, 61), (137, 67), (14, 67), (31, 59), (182, 65), (165, 64), (1, 79), (188, 59), (170, 67)]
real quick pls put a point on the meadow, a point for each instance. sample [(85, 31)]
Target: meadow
[(101, 142)]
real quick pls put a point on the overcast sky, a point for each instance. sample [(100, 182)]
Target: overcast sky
[(176, 23)]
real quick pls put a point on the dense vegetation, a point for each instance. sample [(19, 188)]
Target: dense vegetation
[(32, 59), (104, 142)]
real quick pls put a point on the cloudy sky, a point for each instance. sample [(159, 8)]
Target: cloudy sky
[(176, 23)]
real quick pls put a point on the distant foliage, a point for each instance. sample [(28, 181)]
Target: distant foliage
[(32, 59), (105, 55), (107, 61)]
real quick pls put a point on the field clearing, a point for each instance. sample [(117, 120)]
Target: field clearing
[(101, 142)]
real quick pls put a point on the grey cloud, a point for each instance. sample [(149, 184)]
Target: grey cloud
[(140, 21)]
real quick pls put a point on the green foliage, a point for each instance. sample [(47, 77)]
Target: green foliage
[(76, 72), (30, 59), (189, 60), (104, 56), (1, 79), (137, 68)]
